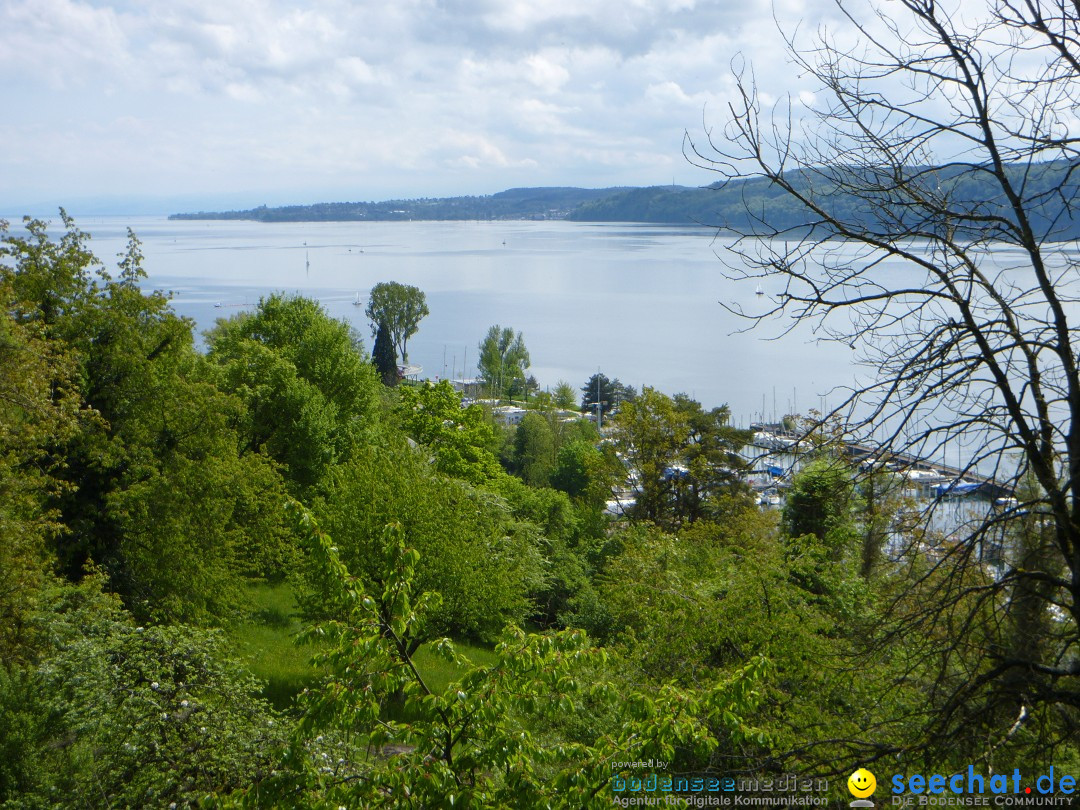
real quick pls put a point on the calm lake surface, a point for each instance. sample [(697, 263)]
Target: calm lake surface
[(639, 302)]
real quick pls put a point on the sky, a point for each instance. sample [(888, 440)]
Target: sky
[(242, 103)]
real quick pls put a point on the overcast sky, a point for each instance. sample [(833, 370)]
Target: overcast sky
[(282, 102)]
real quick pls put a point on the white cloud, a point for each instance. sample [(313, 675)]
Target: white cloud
[(546, 73), (58, 42), (471, 151), (671, 92), (355, 70), (416, 96)]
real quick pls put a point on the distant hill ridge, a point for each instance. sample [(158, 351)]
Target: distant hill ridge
[(742, 205), (515, 203)]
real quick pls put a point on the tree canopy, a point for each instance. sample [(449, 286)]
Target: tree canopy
[(469, 554), (932, 143), (137, 479), (308, 388), (680, 456), (503, 360), (460, 438), (401, 307), (608, 393)]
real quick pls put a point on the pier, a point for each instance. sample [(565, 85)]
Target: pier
[(781, 449)]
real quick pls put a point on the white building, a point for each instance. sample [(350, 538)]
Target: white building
[(509, 415)]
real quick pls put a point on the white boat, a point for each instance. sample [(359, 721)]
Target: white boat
[(759, 291), (358, 302)]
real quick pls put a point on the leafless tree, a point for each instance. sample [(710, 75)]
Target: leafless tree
[(915, 212)]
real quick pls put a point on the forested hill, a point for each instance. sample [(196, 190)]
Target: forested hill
[(515, 203), (885, 202), (1050, 190)]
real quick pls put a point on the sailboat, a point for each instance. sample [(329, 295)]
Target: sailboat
[(759, 291), (358, 302)]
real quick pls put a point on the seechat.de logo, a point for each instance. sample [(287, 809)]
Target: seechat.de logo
[(862, 785)]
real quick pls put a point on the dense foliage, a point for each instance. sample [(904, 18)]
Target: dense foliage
[(384, 356), (143, 494), (398, 308), (503, 361), (110, 713)]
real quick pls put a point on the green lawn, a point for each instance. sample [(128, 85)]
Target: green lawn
[(438, 673), (266, 641)]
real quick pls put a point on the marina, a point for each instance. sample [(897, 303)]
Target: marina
[(776, 452)]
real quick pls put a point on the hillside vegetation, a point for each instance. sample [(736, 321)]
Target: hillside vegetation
[(482, 632), (743, 206)]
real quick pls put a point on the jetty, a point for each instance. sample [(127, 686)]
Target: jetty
[(777, 451)]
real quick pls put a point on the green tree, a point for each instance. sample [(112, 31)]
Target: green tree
[(710, 456), (48, 278), (534, 450), (461, 439), (482, 565), (384, 357), (309, 390), (521, 387), (565, 396), (680, 456), (475, 743), (608, 393), (193, 518), (162, 434), (587, 472), (39, 406), (503, 360), (114, 714), (401, 307), (821, 502), (651, 432)]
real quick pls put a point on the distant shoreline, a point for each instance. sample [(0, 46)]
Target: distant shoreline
[(748, 206)]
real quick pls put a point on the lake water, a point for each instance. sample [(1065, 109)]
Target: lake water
[(638, 302)]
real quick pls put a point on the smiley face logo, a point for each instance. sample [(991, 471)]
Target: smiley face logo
[(862, 783)]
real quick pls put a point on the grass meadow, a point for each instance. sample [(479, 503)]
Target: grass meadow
[(266, 640)]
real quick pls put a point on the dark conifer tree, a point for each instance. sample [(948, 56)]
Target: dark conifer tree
[(609, 393), (384, 356)]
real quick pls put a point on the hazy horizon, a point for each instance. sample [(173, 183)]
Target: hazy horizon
[(163, 205), (232, 105)]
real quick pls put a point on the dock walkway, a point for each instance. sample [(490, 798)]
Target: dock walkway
[(948, 479)]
